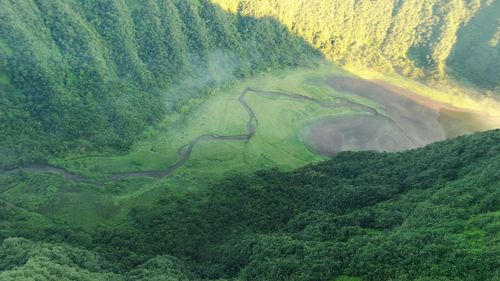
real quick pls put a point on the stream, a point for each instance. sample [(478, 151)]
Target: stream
[(185, 152)]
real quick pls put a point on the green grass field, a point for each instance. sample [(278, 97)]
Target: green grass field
[(277, 143)]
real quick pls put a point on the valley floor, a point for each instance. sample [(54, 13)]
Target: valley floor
[(283, 120)]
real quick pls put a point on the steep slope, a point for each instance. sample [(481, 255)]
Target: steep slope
[(80, 80), (425, 214), (86, 76), (90, 75), (417, 38)]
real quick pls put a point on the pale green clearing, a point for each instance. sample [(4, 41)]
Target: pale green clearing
[(277, 143)]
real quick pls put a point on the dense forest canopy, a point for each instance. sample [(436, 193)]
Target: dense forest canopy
[(418, 38), (82, 79), (425, 214), (90, 75)]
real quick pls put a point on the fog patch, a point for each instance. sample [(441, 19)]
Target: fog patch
[(205, 74)]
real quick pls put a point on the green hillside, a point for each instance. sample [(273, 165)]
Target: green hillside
[(425, 214), (440, 40), (336, 140), (88, 76)]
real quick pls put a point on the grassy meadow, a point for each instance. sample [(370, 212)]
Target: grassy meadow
[(277, 143)]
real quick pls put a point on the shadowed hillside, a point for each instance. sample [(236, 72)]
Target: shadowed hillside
[(213, 140), (476, 54), (90, 75), (86, 76)]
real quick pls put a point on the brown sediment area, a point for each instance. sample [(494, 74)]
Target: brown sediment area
[(454, 120), (428, 102), (360, 132), (412, 120)]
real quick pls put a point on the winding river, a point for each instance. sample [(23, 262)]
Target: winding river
[(185, 152)]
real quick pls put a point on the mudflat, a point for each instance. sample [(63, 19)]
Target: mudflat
[(410, 120)]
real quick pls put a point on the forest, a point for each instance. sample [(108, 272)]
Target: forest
[(88, 76), (424, 214), (431, 40), (163, 140)]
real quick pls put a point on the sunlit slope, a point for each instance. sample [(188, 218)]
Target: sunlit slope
[(417, 38), (88, 76), (210, 140)]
